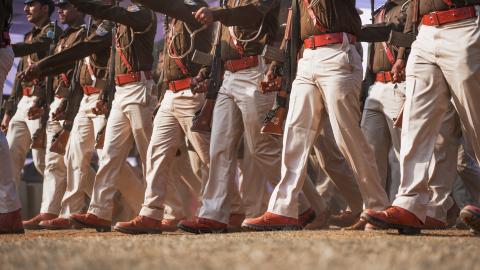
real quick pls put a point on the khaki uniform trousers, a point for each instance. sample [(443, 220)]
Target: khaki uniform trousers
[(171, 127), (19, 137), (383, 104), (469, 173), (240, 110), (9, 200), (55, 174), (444, 63), (327, 85), (130, 122)]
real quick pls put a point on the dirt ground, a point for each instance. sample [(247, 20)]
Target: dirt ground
[(332, 249)]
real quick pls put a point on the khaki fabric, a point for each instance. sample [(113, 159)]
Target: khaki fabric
[(55, 174), (19, 137), (327, 85), (443, 65), (9, 200), (171, 128), (129, 123)]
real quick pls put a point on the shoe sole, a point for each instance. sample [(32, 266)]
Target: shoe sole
[(136, 231), (32, 227), (16, 231), (200, 231), (472, 219), (402, 229), (251, 227), (85, 225)]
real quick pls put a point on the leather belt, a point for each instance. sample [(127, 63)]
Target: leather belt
[(327, 39), (242, 63), (438, 18), (27, 91), (384, 77), (123, 79), (90, 90), (179, 85)]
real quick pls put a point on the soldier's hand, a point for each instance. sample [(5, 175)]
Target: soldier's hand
[(60, 112), (35, 112), (271, 82), (29, 74), (204, 15), (398, 71), (101, 107), (199, 84), (5, 122)]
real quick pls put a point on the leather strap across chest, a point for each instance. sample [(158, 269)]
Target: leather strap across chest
[(174, 52), (388, 51)]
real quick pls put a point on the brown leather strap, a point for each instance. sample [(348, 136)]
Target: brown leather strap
[(387, 50), (314, 18), (178, 61)]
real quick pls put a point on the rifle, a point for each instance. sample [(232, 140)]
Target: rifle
[(60, 139), (274, 121), (202, 121), (39, 138), (107, 94)]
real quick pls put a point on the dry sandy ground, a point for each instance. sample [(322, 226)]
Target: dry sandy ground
[(330, 250)]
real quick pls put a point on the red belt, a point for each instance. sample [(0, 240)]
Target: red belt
[(326, 39), (438, 18), (242, 63), (27, 91), (384, 77), (179, 85), (122, 79), (89, 90)]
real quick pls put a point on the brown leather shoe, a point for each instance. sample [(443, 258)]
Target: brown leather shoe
[(306, 217), (139, 225), (91, 221), (271, 222), (235, 222), (202, 225), (344, 219), (358, 226), (471, 216), (58, 224), (33, 223), (319, 223), (11, 223), (394, 217), (170, 225), (434, 224)]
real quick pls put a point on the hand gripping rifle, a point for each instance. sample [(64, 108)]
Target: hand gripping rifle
[(60, 140), (274, 121), (107, 94), (202, 121), (39, 138)]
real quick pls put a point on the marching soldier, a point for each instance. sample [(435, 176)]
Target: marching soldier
[(10, 217), (16, 119), (328, 79), (172, 122), (434, 76), (54, 182), (130, 119)]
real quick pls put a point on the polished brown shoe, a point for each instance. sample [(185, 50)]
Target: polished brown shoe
[(91, 221), (34, 223), (471, 216), (319, 223), (306, 217), (358, 226), (394, 217), (271, 222), (344, 219), (202, 225), (58, 224), (170, 225), (11, 223), (235, 222), (139, 225), (434, 224)]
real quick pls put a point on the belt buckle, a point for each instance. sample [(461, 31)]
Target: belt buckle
[(433, 16), (312, 40)]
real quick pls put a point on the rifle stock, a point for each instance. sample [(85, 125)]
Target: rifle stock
[(100, 139), (273, 123), (202, 121), (397, 121), (59, 142)]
